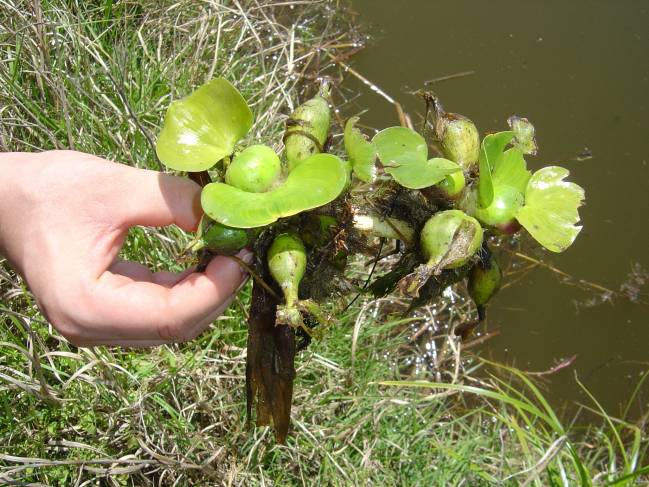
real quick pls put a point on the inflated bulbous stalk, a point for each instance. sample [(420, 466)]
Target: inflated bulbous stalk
[(287, 264), (255, 169), (448, 240), (467, 200), (501, 213), (453, 185), (459, 138), (307, 128), (218, 239), (484, 281)]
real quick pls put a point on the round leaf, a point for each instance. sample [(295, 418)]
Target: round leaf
[(400, 146), (362, 153), (423, 173), (550, 211), (403, 153), (203, 128), (315, 182)]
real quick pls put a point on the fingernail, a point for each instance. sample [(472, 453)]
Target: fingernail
[(246, 256)]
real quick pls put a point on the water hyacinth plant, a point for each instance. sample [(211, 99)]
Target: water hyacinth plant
[(306, 213)]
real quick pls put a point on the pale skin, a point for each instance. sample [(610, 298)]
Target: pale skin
[(63, 219)]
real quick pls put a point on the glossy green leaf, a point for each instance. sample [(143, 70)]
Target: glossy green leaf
[(315, 182), (493, 147), (203, 128), (509, 180), (491, 151), (550, 211), (403, 153), (524, 134), (400, 146), (485, 185), (511, 170), (362, 153), (423, 174)]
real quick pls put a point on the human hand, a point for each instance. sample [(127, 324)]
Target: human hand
[(63, 218)]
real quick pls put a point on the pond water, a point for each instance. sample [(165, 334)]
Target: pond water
[(579, 71)]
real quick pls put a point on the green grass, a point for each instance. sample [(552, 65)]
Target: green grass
[(97, 77)]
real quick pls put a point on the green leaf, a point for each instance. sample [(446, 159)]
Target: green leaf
[(315, 182), (509, 178), (523, 134), (511, 170), (403, 153), (362, 153), (550, 211), (203, 128), (400, 146), (423, 173), (493, 147), (485, 185), (491, 151)]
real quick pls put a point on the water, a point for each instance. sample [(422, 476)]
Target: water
[(579, 71)]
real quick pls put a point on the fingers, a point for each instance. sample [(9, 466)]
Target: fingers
[(200, 326), (139, 272), (156, 199), (170, 279), (201, 297), (195, 330), (121, 309), (120, 343)]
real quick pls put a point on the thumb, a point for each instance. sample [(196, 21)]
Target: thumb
[(155, 199)]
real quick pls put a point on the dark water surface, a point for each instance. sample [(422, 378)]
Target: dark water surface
[(579, 70)]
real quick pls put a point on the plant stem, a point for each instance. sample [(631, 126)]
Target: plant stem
[(202, 178)]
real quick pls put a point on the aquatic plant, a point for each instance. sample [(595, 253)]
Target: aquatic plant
[(306, 213)]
